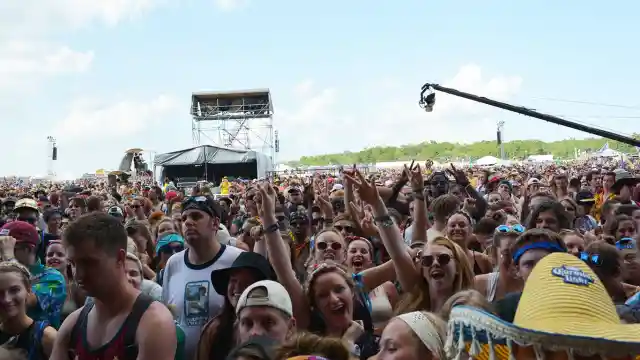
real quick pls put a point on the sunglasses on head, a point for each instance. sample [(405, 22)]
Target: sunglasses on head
[(347, 228), (442, 259), (626, 243), (321, 245), (517, 228)]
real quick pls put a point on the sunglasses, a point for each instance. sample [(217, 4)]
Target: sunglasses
[(590, 258), (170, 250), (281, 218), (442, 259), (323, 246), (135, 206), (348, 229), (517, 228)]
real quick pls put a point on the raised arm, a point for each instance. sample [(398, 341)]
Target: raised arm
[(279, 255), (389, 232)]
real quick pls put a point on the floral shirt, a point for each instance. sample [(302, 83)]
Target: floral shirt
[(49, 287)]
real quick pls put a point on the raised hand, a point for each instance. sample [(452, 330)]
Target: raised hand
[(459, 175), (367, 191), (415, 178), (266, 200)]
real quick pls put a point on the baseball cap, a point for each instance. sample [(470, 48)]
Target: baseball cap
[(533, 181), (266, 293), (115, 211), (22, 231), (585, 197), (26, 204)]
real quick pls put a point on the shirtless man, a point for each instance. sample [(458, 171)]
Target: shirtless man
[(122, 323)]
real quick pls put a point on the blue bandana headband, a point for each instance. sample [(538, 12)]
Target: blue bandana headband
[(551, 247)]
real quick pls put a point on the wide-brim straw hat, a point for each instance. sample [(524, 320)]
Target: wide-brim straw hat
[(564, 308)]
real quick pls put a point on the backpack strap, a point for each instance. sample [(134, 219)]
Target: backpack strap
[(130, 325)]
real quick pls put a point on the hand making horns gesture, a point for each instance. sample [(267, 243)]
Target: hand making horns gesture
[(367, 191)]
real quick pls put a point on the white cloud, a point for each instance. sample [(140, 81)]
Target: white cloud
[(229, 5), (320, 122), (28, 58), (89, 121), (40, 17)]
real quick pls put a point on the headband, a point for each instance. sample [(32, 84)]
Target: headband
[(426, 331), (551, 247)]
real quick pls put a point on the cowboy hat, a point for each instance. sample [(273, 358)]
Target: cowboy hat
[(564, 307)]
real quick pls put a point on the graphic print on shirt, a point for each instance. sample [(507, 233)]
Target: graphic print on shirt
[(196, 303)]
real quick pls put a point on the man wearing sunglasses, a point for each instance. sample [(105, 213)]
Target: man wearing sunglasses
[(186, 284)]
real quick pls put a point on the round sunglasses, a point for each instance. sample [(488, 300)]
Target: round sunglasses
[(442, 259)]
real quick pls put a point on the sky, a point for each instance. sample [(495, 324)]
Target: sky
[(103, 76)]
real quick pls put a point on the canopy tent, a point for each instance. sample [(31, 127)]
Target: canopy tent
[(606, 151), (487, 160), (213, 162)]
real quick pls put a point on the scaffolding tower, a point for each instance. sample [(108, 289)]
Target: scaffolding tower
[(234, 119)]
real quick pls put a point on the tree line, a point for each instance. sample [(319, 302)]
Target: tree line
[(447, 151)]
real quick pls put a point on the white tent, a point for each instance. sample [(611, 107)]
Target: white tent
[(606, 151), (487, 160)]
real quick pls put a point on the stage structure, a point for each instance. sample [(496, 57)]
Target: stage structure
[(235, 119)]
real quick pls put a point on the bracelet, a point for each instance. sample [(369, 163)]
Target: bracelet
[(271, 228), (418, 195)]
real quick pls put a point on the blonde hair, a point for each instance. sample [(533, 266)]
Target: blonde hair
[(418, 299), (14, 267), (133, 257), (310, 344), (466, 297), (131, 245)]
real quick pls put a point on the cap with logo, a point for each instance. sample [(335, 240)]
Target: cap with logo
[(266, 293)]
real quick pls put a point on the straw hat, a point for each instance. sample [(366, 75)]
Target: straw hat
[(564, 307)]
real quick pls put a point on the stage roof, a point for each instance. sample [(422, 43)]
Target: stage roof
[(205, 154)]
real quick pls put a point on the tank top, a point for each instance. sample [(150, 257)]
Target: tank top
[(29, 340), (122, 346)]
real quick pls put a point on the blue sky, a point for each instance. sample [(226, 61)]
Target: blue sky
[(103, 76)]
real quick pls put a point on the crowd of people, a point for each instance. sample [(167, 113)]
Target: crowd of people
[(430, 262)]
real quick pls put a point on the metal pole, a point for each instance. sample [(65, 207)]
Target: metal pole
[(501, 132), (427, 103)]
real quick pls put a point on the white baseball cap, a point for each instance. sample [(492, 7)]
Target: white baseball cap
[(266, 293)]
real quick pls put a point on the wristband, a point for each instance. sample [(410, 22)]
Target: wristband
[(271, 228)]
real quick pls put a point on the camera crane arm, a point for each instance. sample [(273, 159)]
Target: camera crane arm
[(428, 98)]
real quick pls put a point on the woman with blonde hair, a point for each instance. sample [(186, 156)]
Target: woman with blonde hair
[(416, 335), (444, 269), (17, 330)]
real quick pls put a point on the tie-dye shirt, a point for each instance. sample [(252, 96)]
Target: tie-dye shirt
[(50, 289)]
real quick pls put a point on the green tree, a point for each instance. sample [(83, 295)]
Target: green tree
[(446, 151)]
